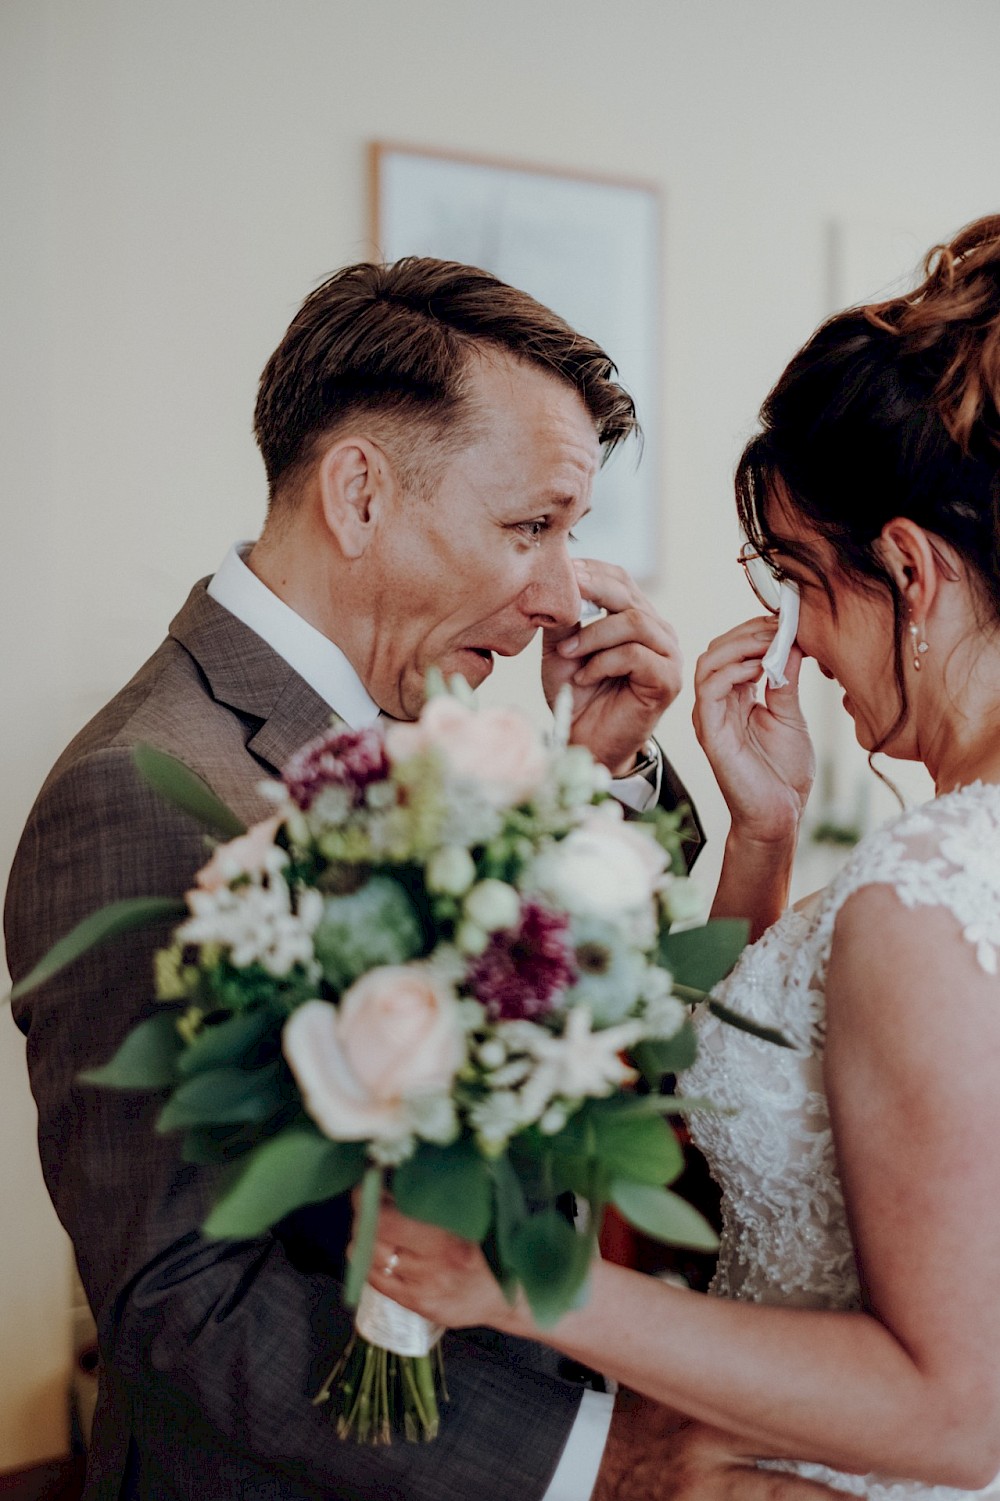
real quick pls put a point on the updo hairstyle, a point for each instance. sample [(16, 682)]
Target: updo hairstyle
[(891, 410)]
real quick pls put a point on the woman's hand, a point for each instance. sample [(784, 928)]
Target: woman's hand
[(761, 753), (435, 1273)]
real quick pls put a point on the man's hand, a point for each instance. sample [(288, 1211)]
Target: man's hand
[(653, 1454), (624, 669)]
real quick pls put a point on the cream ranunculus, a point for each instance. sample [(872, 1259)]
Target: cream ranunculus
[(498, 749), (604, 867), (395, 1035)]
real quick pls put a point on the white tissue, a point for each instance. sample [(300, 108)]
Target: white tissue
[(776, 658)]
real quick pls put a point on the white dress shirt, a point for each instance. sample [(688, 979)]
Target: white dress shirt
[(324, 667)]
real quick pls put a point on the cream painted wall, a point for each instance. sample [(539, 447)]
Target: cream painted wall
[(178, 173)]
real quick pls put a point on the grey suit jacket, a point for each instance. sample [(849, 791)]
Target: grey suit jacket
[(210, 1350)]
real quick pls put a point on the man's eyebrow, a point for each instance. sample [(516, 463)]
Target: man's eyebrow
[(565, 502)]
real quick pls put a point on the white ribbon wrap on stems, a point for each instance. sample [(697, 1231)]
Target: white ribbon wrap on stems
[(385, 1323), (776, 657)]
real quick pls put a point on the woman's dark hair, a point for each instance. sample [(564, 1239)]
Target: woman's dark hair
[(395, 340), (891, 410)]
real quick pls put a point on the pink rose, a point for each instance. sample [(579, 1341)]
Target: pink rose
[(395, 1034), (497, 748), (251, 854)]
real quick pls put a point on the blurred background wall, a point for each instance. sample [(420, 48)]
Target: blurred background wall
[(177, 174)]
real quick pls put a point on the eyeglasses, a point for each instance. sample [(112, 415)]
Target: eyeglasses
[(766, 584), (761, 578)]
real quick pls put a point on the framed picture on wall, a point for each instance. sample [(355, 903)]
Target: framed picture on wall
[(589, 248)]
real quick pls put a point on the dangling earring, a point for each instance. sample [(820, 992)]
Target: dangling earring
[(920, 645)]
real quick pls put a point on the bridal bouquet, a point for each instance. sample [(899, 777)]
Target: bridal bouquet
[(440, 968)]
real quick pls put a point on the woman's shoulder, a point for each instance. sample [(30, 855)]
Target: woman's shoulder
[(943, 853)]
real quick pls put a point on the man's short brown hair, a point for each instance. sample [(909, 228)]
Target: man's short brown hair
[(395, 340)]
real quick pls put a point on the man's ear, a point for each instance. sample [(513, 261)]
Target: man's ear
[(354, 478), (905, 549)]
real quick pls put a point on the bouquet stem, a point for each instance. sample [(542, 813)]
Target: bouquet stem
[(380, 1393)]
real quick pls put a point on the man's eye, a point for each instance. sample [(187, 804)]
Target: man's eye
[(533, 529)]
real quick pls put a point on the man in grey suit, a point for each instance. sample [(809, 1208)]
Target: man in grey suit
[(430, 437)]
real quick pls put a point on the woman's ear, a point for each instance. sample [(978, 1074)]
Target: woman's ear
[(908, 555), (353, 478)]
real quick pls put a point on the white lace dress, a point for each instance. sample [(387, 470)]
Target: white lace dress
[(785, 1237)]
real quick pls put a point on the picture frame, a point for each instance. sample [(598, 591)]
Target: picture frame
[(589, 247)]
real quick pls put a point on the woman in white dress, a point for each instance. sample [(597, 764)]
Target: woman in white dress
[(855, 1324)]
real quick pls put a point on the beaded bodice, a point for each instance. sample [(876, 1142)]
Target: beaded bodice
[(785, 1235)]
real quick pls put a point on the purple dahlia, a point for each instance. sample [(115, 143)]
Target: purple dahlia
[(338, 758), (523, 969)]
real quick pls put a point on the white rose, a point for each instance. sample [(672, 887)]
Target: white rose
[(396, 1034), (681, 899), (605, 866)]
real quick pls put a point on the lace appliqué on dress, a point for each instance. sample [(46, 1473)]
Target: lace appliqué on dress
[(785, 1237)]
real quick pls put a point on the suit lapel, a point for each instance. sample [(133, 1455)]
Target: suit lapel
[(246, 674)]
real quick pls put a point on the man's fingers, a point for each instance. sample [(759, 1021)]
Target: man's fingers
[(643, 667), (641, 626), (607, 585)]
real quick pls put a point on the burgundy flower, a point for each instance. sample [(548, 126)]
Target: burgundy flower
[(523, 969), (339, 758)]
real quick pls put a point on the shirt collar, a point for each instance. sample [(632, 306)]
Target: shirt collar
[(316, 659)]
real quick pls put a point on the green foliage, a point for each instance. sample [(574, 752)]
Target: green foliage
[(245, 1039), (117, 917), (641, 1148), (699, 958), (447, 1186), (656, 1057), (221, 1095), (550, 1261), (744, 1024), (296, 1167), (184, 789), (147, 1059), (365, 1226), (663, 1215)]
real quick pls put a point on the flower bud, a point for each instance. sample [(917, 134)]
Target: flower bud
[(493, 906), (450, 871), (492, 1053), (471, 938)]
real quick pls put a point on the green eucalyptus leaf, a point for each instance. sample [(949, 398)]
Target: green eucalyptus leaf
[(299, 1166), (147, 1059), (641, 1148), (663, 1215), (117, 917), (657, 1056), (701, 957), (222, 1095), (447, 1186), (510, 1207), (178, 785), (229, 1042), (365, 1226), (551, 1262)]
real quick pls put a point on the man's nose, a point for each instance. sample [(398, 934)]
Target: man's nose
[(553, 598)]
